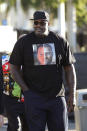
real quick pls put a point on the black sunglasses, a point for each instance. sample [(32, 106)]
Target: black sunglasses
[(42, 23)]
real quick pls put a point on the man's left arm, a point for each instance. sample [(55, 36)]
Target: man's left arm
[(70, 76)]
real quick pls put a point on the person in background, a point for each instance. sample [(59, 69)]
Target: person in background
[(42, 83), (1, 96), (13, 99)]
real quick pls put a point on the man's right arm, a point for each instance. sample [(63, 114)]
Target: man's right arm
[(17, 76)]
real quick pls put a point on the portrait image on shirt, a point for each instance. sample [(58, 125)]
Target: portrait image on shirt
[(44, 54)]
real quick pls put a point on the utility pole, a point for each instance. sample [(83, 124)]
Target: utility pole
[(71, 25), (61, 19), (19, 14)]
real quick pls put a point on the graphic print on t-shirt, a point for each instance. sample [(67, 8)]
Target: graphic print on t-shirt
[(44, 54)]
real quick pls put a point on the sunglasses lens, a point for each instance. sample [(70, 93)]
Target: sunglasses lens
[(42, 23), (35, 22)]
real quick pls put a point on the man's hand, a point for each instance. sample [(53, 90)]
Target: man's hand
[(1, 120), (70, 104)]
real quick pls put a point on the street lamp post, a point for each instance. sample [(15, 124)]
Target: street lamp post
[(61, 19)]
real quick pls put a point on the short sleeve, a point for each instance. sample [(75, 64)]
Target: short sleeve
[(16, 57), (68, 58)]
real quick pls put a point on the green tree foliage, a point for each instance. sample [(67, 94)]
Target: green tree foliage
[(81, 12), (51, 6), (26, 4), (10, 3), (48, 5), (2, 1), (41, 3)]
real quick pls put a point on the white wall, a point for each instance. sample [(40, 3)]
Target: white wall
[(8, 37)]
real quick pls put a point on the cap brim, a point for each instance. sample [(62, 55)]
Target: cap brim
[(31, 19), (38, 19)]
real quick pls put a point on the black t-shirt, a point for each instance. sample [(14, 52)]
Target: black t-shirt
[(42, 60)]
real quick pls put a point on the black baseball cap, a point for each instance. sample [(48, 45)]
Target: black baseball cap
[(40, 15)]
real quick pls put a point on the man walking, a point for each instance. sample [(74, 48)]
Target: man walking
[(42, 84)]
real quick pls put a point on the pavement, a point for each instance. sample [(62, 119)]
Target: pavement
[(71, 126)]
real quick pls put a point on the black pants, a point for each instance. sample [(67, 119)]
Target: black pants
[(14, 112), (41, 110)]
